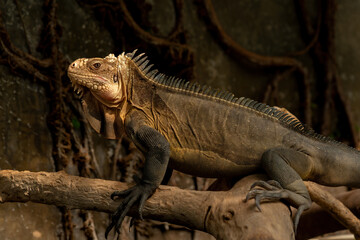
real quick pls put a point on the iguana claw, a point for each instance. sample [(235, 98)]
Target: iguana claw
[(260, 194), (268, 185), (140, 192), (299, 211), (273, 191)]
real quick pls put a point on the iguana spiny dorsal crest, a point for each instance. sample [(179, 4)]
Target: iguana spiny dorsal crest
[(143, 66), (207, 91), (280, 114)]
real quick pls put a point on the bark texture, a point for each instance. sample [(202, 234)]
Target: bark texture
[(222, 214)]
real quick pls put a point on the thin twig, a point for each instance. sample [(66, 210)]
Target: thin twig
[(16, 62), (304, 18), (179, 17), (207, 10), (88, 225), (146, 36), (18, 8), (271, 91), (237, 51), (307, 25), (331, 95), (10, 48)]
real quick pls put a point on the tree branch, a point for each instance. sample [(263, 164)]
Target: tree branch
[(231, 47), (222, 214), (318, 221), (335, 207), (11, 50)]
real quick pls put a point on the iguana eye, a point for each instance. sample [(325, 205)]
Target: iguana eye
[(96, 65)]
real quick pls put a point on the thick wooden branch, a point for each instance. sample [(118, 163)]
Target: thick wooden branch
[(318, 221), (222, 214), (335, 207)]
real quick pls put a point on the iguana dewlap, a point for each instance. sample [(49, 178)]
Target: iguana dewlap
[(205, 132)]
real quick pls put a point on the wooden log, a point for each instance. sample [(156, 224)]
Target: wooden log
[(223, 214)]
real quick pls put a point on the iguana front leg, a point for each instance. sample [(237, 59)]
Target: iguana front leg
[(287, 168), (157, 152)]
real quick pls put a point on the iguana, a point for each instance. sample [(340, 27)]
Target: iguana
[(205, 132)]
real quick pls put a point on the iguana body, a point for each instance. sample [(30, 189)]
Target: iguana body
[(205, 133)]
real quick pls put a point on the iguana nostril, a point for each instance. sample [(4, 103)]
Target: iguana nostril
[(73, 65)]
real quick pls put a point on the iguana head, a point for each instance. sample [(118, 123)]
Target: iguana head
[(100, 76), (99, 82)]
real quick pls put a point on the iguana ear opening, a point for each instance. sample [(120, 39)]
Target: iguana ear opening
[(102, 119)]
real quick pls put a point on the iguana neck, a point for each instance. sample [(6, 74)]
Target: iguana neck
[(139, 91)]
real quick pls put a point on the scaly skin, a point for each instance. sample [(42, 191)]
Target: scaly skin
[(197, 131)]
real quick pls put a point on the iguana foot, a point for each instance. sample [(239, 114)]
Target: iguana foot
[(140, 192), (268, 185), (273, 191)]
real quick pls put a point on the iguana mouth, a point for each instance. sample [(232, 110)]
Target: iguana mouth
[(87, 81), (78, 89)]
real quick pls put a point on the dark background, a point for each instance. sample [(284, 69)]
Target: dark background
[(41, 123)]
